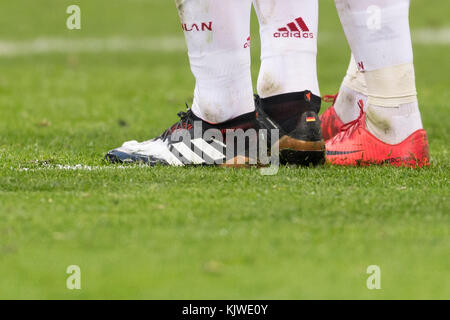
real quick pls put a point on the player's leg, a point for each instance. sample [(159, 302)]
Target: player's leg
[(345, 104), (287, 82), (217, 35), (391, 128), (288, 31)]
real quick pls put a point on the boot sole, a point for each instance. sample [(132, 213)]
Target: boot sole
[(300, 152)]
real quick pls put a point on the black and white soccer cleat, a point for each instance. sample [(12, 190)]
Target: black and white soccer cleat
[(192, 141)]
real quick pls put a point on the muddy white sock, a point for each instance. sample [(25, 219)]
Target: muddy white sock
[(393, 111), (217, 35), (393, 124), (288, 30), (379, 37)]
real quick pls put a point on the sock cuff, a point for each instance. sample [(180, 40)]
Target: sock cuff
[(391, 86)]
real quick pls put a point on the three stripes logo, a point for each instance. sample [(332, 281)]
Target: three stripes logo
[(296, 29), (199, 152)]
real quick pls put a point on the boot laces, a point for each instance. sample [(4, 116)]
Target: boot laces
[(186, 121), (330, 98), (348, 128)]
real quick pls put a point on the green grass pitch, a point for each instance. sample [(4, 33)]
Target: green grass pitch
[(197, 232)]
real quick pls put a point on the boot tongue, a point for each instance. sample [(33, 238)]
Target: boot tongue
[(286, 109)]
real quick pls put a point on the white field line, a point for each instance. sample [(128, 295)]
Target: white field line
[(91, 45), (432, 36), (80, 167), (161, 44)]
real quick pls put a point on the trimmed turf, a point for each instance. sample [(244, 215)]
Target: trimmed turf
[(141, 232)]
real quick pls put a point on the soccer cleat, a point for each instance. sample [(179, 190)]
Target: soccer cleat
[(354, 145), (330, 121), (295, 115), (192, 141)]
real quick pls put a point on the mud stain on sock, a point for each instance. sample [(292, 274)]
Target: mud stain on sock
[(268, 85), (191, 6), (377, 122), (181, 8), (348, 99), (211, 112)]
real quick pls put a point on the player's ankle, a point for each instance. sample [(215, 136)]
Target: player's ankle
[(346, 105), (393, 111), (393, 125), (353, 89)]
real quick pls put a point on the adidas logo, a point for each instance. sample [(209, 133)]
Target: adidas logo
[(296, 29), (198, 151)]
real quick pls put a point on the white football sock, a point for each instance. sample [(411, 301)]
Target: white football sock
[(377, 31), (288, 30), (393, 124), (380, 39), (393, 111), (353, 89), (217, 35)]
